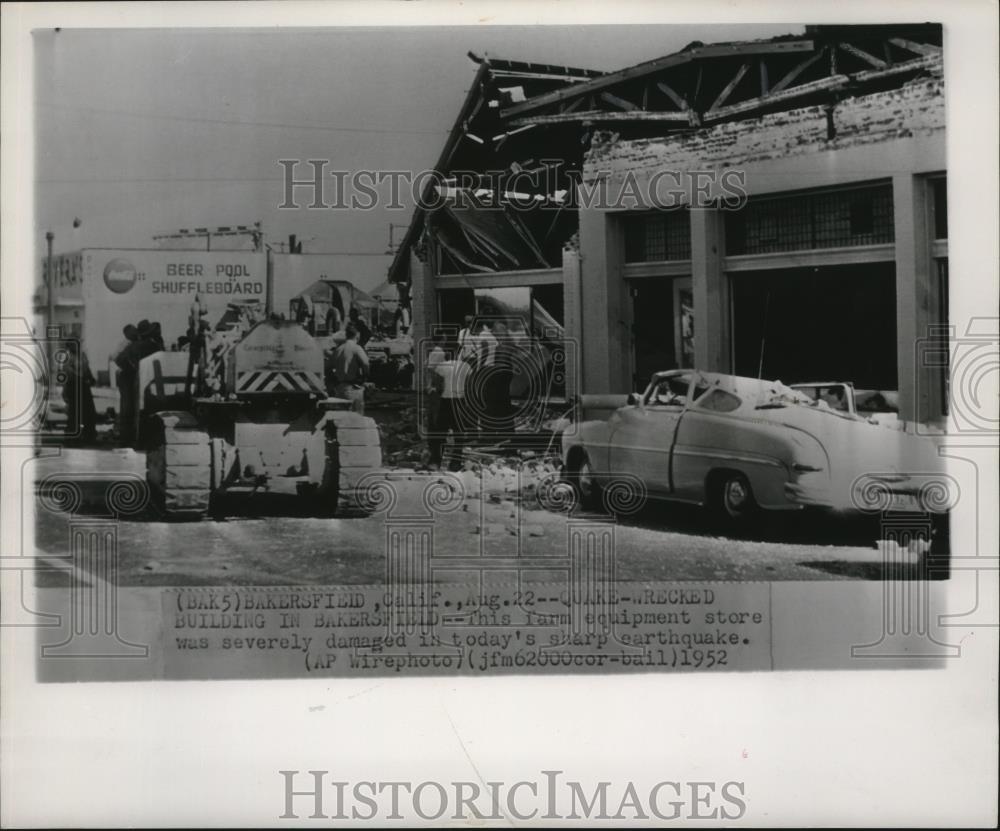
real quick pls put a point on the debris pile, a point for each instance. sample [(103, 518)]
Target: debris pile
[(513, 478)]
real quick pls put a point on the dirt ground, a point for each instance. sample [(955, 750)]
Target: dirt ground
[(491, 509)]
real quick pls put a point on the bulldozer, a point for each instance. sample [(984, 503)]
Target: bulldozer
[(248, 413)]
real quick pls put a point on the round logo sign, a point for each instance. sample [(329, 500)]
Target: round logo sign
[(119, 276)]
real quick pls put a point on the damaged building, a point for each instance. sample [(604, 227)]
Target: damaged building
[(803, 237)]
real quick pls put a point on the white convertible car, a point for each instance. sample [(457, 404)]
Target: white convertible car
[(739, 445)]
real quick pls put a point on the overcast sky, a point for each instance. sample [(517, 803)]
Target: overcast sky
[(143, 132)]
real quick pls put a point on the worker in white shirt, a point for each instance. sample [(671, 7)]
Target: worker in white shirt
[(433, 381), (350, 368), (487, 345), (451, 416), (468, 345), (478, 388)]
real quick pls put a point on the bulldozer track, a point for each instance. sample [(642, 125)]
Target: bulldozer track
[(354, 449), (178, 467)]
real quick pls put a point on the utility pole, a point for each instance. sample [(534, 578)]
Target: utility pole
[(269, 284), (50, 316)]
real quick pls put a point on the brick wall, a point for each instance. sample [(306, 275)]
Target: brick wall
[(912, 110)]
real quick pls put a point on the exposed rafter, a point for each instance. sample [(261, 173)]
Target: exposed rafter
[(678, 99), (718, 50), (918, 48), (878, 63), (798, 70), (664, 96), (692, 116), (830, 83), (572, 105), (618, 101), (728, 89), (930, 62), (603, 115)]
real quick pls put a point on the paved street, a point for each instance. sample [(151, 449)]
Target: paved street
[(265, 543)]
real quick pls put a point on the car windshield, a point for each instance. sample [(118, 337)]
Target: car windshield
[(670, 391), (777, 394), (833, 396)]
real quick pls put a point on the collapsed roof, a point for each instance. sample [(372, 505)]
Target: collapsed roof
[(537, 119)]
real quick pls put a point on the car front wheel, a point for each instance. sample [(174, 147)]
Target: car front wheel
[(584, 482)]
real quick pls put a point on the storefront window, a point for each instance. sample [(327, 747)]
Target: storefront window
[(820, 219), (658, 236), (939, 190)]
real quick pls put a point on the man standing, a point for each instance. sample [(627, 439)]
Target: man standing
[(197, 327), (453, 372), (487, 345), (81, 415), (350, 368), (362, 328), (501, 376), (125, 381), (432, 381), (129, 336), (468, 346), (478, 390)]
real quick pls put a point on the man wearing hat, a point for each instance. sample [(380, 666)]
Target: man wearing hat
[(125, 378), (197, 326)]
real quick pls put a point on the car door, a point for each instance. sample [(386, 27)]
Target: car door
[(642, 436)]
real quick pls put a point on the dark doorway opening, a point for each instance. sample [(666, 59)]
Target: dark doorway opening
[(652, 328), (833, 323), (454, 305)]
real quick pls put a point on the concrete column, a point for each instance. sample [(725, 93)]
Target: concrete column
[(711, 291), (916, 299), (573, 323), (605, 336), (423, 299), (423, 304)]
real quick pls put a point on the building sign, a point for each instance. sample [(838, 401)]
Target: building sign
[(67, 270), (123, 286)]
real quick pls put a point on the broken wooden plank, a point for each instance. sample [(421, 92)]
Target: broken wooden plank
[(510, 133), (728, 90), (775, 98), (526, 237), (798, 70), (457, 255), (878, 63)]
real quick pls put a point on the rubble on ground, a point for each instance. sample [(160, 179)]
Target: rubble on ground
[(515, 478)]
